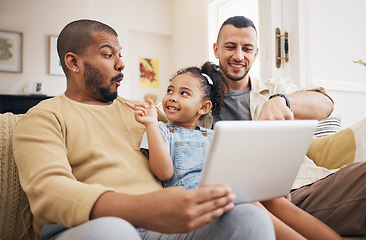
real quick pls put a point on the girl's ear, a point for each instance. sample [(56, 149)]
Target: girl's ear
[(205, 108)]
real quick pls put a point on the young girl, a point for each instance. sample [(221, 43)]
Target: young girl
[(177, 150)]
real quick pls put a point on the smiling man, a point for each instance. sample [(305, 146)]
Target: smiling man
[(333, 197), (251, 99), (237, 50)]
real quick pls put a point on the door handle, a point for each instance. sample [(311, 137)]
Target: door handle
[(279, 58)]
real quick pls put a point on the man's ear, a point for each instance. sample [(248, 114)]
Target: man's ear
[(215, 48), (71, 61), (256, 53), (205, 108)]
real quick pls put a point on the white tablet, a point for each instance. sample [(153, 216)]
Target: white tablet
[(259, 160)]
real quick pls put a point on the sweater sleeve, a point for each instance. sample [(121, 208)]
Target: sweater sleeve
[(55, 195)]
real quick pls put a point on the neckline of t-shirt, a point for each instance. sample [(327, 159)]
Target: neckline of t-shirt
[(96, 106), (238, 92)]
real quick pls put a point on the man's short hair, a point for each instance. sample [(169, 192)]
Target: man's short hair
[(77, 36), (238, 22)]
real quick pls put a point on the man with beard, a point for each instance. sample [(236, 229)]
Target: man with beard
[(334, 197), (80, 165), (236, 49)]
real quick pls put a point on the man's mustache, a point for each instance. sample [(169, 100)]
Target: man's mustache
[(118, 76)]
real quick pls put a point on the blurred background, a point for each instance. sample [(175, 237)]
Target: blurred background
[(325, 37)]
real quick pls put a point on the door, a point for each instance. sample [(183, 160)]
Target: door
[(286, 16), (324, 39)]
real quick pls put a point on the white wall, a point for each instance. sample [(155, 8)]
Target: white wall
[(175, 32), (189, 44), (162, 28), (337, 39)]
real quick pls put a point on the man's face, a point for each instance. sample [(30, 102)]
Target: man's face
[(102, 68), (236, 50), (95, 83)]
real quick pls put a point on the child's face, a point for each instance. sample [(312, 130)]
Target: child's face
[(183, 103)]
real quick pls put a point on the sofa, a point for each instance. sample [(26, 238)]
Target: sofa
[(16, 217)]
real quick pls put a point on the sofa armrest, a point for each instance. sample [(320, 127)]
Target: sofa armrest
[(15, 215)]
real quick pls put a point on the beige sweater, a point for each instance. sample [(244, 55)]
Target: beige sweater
[(69, 153)]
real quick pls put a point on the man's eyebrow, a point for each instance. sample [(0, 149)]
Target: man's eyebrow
[(233, 43), (109, 46), (226, 43), (106, 45)]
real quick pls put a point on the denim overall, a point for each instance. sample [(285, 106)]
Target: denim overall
[(188, 149)]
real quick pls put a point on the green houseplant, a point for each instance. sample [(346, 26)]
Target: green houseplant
[(360, 62)]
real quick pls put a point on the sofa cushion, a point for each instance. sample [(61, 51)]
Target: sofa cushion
[(15, 214), (336, 150), (328, 126)]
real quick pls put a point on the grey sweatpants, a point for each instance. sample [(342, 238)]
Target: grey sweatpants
[(245, 221), (339, 200)]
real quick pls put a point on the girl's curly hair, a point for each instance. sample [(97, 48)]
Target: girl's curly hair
[(216, 91)]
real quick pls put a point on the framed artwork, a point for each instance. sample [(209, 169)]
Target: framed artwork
[(11, 51), (149, 72), (55, 63)]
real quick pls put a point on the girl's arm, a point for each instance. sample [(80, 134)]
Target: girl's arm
[(160, 161)]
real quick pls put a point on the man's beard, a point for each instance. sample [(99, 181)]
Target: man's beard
[(95, 79), (232, 77)]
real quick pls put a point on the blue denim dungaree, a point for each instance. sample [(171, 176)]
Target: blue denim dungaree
[(188, 149)]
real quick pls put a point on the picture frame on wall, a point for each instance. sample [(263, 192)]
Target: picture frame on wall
[(149, 72), (11, 51), (55, 67)]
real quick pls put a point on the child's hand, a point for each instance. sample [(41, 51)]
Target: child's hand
[(288, 197), (144, 113)]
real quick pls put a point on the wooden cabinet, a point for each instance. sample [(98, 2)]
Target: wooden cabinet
[(18, 104)]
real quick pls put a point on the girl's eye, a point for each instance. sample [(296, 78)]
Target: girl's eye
[(185, 94), (108, 55), (169, 90)]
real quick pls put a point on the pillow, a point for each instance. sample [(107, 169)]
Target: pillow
[(328, 126), (339, 149)]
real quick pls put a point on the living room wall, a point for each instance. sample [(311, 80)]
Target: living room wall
[(173, 31), (160, 26)]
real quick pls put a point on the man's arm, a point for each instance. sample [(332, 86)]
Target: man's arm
[(170, 210), (304, 105)]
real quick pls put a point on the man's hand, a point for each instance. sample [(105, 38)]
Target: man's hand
[(276, 109), (144, 113), (170, 210), (186, 210)]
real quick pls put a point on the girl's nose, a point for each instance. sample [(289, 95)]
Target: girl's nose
[(172, 98)]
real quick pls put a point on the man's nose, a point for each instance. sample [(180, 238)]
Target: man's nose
[(120, 65), (238, 55)]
